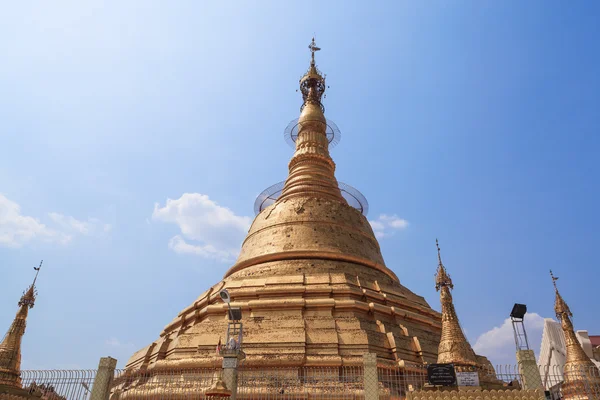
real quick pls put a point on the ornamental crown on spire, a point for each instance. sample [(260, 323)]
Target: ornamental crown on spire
[(312, 84), (29, 295), (442, 278), (560, 306)]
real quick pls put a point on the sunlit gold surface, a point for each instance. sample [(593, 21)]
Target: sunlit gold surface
[(581, 377), (310, 279)]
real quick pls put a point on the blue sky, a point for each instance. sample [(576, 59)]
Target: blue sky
[(474, 122)]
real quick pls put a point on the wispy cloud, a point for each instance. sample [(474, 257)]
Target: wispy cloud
[(387, 225), (92, 226), (17, 230), (207, 229)]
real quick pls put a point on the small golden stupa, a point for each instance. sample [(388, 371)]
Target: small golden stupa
[(581, 377), (310, 278), (10, 348), (454, 347)]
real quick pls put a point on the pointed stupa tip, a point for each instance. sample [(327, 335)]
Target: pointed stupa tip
[(29, 295), (442, 278), (560, 306)]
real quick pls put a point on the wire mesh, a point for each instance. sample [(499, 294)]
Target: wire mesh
[(334, 135), (347, 382), (396, 383), (572, 382), (353, 197), (59, 384)]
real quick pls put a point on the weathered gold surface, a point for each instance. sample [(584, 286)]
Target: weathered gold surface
[(581, 377), (310, 279)]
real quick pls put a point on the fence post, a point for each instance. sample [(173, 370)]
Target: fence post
[(104, 377), (529, 370), (230, 371), (370, 379)]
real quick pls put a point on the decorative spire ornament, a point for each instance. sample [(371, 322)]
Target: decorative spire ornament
[(581, 377), (311, 169), (10, 348)]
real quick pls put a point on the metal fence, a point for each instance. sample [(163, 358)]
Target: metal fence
[(301, 383), (59, 384), (395, 382), (170, 384), (343, 383)]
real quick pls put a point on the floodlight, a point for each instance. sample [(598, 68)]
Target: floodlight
[(518, 311), (516, 316), (225, 296)]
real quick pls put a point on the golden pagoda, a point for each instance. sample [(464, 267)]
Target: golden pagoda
[(454, 347), (581, 377), (10, 348), (310, 279)]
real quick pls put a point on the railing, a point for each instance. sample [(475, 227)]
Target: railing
[(347, 382), (169, 384), (292, 383), (395, 382), (59, 384)]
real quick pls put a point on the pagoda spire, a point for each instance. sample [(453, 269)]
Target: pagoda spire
[(10, 348), (311, 169), (454, 347), (581, 377)]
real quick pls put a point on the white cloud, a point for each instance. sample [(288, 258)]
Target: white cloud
[(179, 245), (215, 230), (16, 229), (498, 344), (386, 225)]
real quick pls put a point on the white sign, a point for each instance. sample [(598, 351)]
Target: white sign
[(230, 362), (467, 379)]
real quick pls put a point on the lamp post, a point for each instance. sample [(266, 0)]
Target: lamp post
[(528, 368), (232, 352)]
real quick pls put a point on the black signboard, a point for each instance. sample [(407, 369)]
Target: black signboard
[(441, 374)]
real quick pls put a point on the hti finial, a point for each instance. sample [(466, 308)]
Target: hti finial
[(554, 279), (438, 249), (560, 306), (312, 84), (442, 278), (37, 269), (28, 298), (313, 48)]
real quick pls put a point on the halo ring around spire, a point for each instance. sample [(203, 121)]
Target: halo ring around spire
[(334, 135), (270, 195)]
